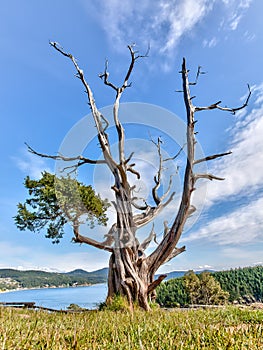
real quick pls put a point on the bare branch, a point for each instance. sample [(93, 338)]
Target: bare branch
[(119, 91), (81, 159), (158, 176), (208, 176), (134, 57), (214, 156), (59, 48), (152, 236), (162, 198), (137, 206), (155, 283), (227, 109), (197, 76), (83, 239), (129, 158), (131, 170), (175, 252), (97, 116), (105, 121), (110, 236), (105, 77), (177, 154), (191, 210), (169, 242), (150, 213)]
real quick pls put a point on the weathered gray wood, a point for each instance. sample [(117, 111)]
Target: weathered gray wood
[(131, 272)]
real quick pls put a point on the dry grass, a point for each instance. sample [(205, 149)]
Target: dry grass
[(230, 328)]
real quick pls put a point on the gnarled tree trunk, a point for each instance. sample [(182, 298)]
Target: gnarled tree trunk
[(131, 272)]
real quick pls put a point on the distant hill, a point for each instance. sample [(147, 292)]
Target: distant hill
[(11, 278), (98, 276), (181, 273), (244, 285)]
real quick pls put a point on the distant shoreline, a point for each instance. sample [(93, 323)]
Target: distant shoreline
[(51, 287)]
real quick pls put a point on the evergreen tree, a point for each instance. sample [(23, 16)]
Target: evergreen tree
[(55, 201)]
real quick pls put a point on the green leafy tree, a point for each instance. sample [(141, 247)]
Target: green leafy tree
[(204, 289), (53, 202), (172, 293), (192, 285)]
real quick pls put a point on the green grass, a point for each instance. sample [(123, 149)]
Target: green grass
[(229, 328)]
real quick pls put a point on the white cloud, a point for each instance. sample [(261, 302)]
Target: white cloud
[(179, 18), (8, 249), (244, 183), (242, 170), (239, 254), (235, 10), (234, 21), (242, 225), (210, 43), (31, 165), (26, 257), (245, 3), (203, 267), (161, 23), (89, 261)]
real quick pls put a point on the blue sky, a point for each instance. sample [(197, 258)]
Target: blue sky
[(41, 101)]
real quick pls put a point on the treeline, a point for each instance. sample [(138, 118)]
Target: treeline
[(11, 279), (242, 284)]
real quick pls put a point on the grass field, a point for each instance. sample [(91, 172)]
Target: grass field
[(229, 328)]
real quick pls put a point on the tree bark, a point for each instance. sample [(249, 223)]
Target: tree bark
[(131, 272)]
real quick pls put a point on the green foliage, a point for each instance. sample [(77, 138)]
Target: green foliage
[(228, 328), (245, 283), (41, 279), (75, 307), (172, 293), (117, 303), (241, 282), (204, 289), (55, 201)]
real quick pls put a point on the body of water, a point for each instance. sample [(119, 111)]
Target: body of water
[(60, 298)]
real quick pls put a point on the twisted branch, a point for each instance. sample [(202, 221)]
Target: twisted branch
[(226, 109)]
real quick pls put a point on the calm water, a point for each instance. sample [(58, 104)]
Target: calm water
[(60, 298)]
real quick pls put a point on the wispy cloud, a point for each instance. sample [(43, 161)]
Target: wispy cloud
[(242, 225), (210, 43), (25, 258), (243, 168), (235, 10), (239, 254), (243, 184), (31, 165), (204, 267), (162, 23)]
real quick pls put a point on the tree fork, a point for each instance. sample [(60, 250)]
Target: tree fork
[(131, 272)]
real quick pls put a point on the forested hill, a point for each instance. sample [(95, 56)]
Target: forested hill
[(242, 284), (12, 279)]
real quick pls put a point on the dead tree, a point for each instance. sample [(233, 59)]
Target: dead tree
[(131, 271)]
